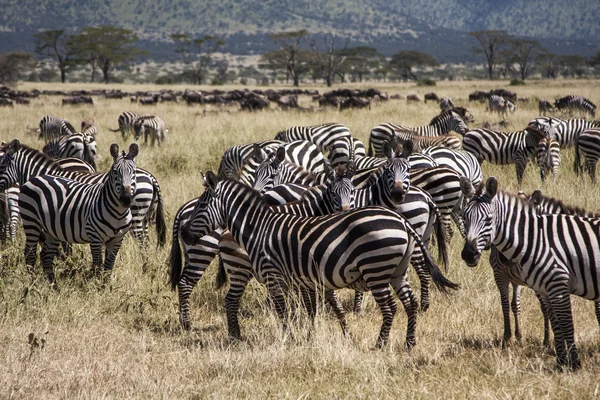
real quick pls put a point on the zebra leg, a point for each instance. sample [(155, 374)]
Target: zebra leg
[(336, 305), (407, 297), (33, 236), (49, 250), (96, 249), (597, 310), (388, 308), (591, 168), (112, 249), (564, 332), (238, 280), (309, 300), (546, 313), (417, 262), (516, 308), (276, 287), (502, 283), (520, 166), (358, 302)]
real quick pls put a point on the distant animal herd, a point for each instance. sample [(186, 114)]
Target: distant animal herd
[(314, 210)]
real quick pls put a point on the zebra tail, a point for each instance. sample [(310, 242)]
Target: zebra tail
[(221, 278), (115, 130), (440, 281), (576, 159), (370, 150), (161, 225), (175, 257), (440, 237)]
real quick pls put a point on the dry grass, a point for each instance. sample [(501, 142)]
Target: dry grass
[(124, 340)]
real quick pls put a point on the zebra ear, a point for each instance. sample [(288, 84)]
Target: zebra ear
[(536, 196), (329, 172), (257, 153), (491, 187), (211, 180), (134, 149), (114, 151), (387, 149), (466, 186), (279, 156), (407, 149), (14, 146)]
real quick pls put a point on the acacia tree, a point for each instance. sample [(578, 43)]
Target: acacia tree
[(405, 61), (548, 64), (197, 53), (296, 60), (331, 59), (61, 48), (87, 48), (490, 44), (523, 52), (362, 60), (13, 65)]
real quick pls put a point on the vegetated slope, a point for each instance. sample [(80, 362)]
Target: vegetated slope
[(537, 18)]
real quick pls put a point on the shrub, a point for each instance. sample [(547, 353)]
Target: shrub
[(517, 82), (425, 82)]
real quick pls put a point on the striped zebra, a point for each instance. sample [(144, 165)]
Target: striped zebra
[(77, 145), (234, 157), (367, 248), (63, 210), (504, 147), (566, 131), (53, 127), (500, 105), (21, 163), (89, 128), (446, 104), (150, 125), (446, 121), (126, 123), (324, 136), (545, 107), (339, 151), (587, 147), (421, 143), (322, 200), (462, 162), (575, 103), (555, 255), (548, 157), (9, 213)]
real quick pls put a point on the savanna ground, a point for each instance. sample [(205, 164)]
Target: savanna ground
[(124, 340)]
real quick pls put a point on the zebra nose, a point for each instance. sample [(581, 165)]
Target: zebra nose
[(398, 192), (345, 206), (470, 254)]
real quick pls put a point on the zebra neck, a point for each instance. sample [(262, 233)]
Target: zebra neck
[(381, 195), (30, 164)]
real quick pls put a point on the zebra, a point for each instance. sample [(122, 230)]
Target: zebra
[(78, 145), (234, 157), (197, 257), (69, 211), (566, 131), (544, 107), (500, 105), (340, 151), (555, 255), (89, 127), (365, 248), (588, 147), (462, 162), (446, 103), (150, 125), (504, 147), (9, 213), (421, 143), (126, 123), (572, 102), (21, 163), (548, 157), (446, 121), (324, 136), (53, 127)]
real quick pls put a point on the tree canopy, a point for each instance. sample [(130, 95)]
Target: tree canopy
[(405, 61)]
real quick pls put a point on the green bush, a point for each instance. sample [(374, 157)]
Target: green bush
[(425, 82), (517, 82)]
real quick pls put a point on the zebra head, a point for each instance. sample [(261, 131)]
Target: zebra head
[(340, 188), (205, 216), (265, 176), (478, 218), (8, 175), (457, 124), (139, 127), (396, 171), (122, 174)]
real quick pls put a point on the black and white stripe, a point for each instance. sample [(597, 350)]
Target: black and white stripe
[(587, 148), (503, 147), (566, 131), (446, 121), (548, 157), (9, 213), (575, 103), (22, 163), (79, 145), (150, 125), (446, 103), (126, 124), (63, 210), (53, 127), (462, 162), (365, 248), (234, 157), (555, 255), (500, 105)]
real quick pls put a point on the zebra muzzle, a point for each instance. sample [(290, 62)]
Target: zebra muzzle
[(398, 193), (470, 254)]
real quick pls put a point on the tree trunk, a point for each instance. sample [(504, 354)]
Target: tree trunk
[(296, 81), (93, 65), (63, 74)]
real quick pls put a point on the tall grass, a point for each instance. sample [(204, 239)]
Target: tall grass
[(123, 339)]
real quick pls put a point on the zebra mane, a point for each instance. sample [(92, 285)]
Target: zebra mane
[(537, 197), (461, 111), (145, 117), (46, 158)]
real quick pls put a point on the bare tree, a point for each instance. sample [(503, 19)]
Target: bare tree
[(331, 59), (490, 43), (523, 52), (58, 46), (405, 61), (197, 53), (289, 46)]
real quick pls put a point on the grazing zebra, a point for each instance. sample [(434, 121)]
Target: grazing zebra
[(420, 143), (548, 157), (566, 131), (555, 255), (500, 105), (323, 136), (63, 210), (126, 123), (322, 200), (446, 103), (366, 248), (544, 107), (503, 147), (446, 121), (21, 163), (462, 162), (234, 157), (9, 213), (77, 145), (587, 147), (88, 127), (572, 103), (339, 151), (150, 125), (54, 127)]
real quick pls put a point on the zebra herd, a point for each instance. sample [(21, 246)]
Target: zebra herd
[(309, 212)]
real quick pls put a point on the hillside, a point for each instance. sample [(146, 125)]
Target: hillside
[(437, 26)]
